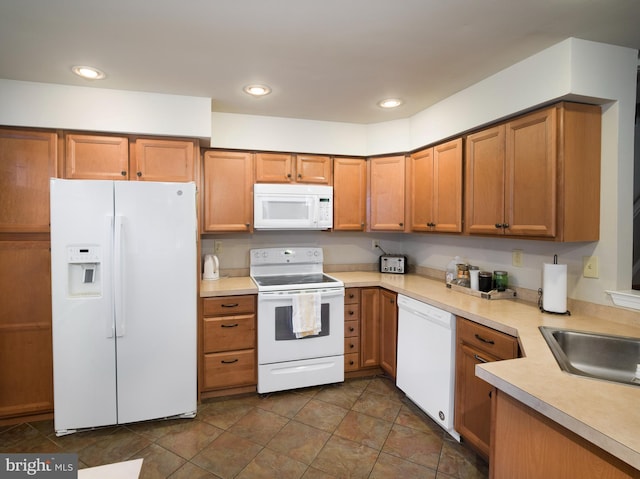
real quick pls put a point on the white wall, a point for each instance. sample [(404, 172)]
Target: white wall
[(82, 108)]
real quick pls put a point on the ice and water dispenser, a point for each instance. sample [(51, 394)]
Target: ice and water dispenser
[(84, 270)]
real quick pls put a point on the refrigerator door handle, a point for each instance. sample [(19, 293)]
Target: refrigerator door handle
[(118, 277), (111, 329)]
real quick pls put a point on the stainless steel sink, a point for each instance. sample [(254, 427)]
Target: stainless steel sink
[(593, 355)]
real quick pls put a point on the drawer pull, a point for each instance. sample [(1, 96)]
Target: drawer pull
[(351, 363), (351, 313), (234, 325), (488, 341), (231, 305), (224, 361), (351, 329), (352, 346), (478, 358)]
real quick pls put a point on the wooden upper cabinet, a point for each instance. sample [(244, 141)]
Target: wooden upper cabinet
[(537, 175), (386, 193), (485, 179), (288, 168), (28, 158), (349, 194), (96, 157), (228, 191), (313, 169), (274, 168), (163, 159), (434, 184)]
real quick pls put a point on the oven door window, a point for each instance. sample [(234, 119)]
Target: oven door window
[(284, 324)]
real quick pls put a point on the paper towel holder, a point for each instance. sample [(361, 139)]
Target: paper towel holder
[(566, 313), (540, 293)]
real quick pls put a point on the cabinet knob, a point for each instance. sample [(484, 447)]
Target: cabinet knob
[(351, 363), (351, 295), (289, 175), (505, 225), (299, 176), (401, 224), (247, 225), (498, 225), (352, 346), (123, 173), (351, 330), (139, 174), (350, 313)]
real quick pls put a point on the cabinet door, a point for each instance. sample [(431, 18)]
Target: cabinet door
[(313, 169), (420, 184), (388, 331), (530, 175), (93, 157), (369, 327), (27, 160), (349, 194), (228, 185), (472, 399), (386, 191), (485, 155), (26, 356), (447, 187), (163, 160), (274, 168)]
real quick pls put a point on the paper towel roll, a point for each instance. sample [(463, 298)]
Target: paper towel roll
[(554, 288)]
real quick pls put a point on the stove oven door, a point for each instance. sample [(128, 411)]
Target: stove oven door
[(276, 340)]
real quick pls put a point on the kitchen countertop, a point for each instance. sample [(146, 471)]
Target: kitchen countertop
[(606, 414)]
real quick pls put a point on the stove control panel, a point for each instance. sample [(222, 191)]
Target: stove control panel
[(297, 255)]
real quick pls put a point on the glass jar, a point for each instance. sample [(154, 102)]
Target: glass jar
[(501, 280), (485, 280)]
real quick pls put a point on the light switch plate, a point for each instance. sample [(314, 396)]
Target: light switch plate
[(516, 258), (590, 266)]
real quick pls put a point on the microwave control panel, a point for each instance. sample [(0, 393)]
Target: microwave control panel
[(325, 210)]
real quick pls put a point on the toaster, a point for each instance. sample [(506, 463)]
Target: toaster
[(393, 263)]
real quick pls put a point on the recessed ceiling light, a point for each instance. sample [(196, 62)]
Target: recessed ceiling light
[(390, 103), (89, 73), (257, 90)]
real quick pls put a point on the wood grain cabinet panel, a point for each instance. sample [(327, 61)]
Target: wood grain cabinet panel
[(228, 191), (26, 355), (387, 193), (369, 327), (388, 331), (96, 157), (28, 159), (434, 186), (290, 168), (349, 194), (158, 159), (314, 169)]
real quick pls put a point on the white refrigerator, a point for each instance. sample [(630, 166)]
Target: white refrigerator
[(124, 272)]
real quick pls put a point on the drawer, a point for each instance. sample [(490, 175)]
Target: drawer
[(230, 369), (351, 311), (229, 305), (352, 295), (228, 333), (486, 339), (351, 345), (351, 362), (351, 329)]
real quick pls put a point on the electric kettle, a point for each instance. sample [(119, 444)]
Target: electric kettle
[(211, 267)]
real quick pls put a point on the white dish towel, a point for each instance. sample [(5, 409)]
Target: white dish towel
[(305, 318)]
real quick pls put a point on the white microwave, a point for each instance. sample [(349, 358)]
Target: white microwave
[(292, 207)]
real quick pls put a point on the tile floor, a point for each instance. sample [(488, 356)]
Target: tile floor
[(364, 428)]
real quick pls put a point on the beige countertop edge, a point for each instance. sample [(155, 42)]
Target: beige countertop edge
[(606, 414)]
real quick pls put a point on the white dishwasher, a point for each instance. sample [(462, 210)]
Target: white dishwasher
[(426, 359)]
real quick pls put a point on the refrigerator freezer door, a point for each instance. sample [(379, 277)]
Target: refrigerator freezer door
[(84, 362), (156, 296)]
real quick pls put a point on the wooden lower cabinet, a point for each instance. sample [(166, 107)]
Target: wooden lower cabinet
[(524, 443), (229, 360), (388, 331), (26, 356), (477, 344), (370, 331)]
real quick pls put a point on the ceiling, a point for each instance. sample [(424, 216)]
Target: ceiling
[(324, 59)]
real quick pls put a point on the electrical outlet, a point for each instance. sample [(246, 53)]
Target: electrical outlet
[(375, 244), (217, 247), (516, 258), (590, 266)]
